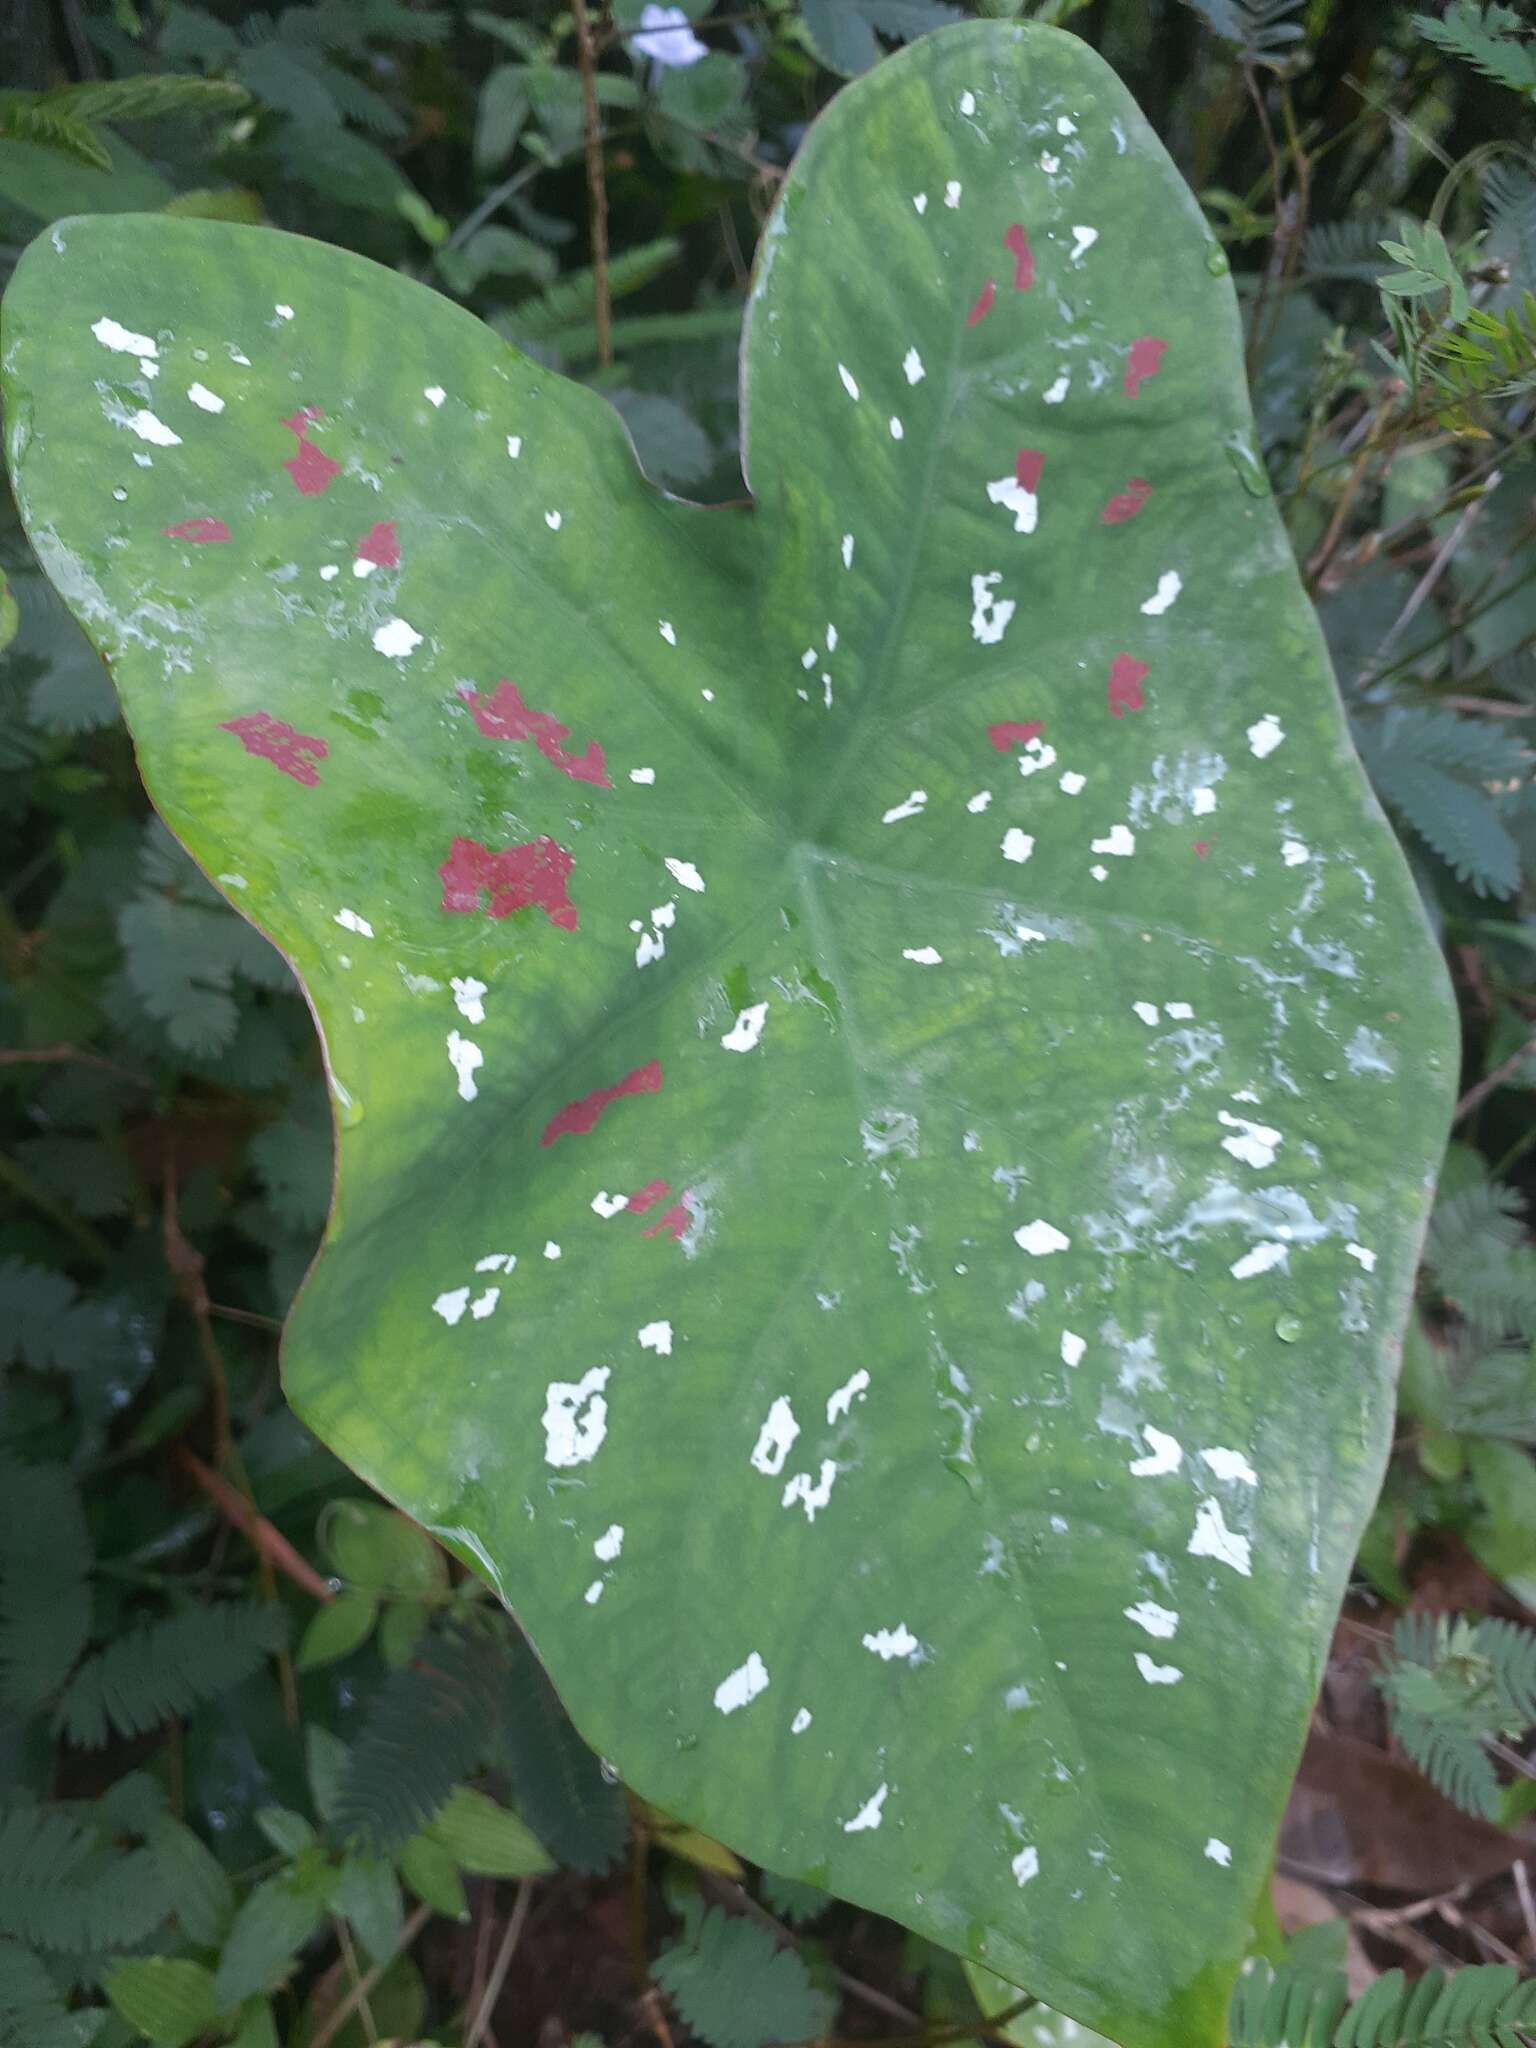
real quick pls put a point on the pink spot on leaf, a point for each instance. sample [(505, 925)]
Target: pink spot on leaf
[(1016, 242), (311, 468), (579, 1117), (647, 1197), (1013, 734), (201, 532), (534, 874), (504, 716), (1202, 848), (274, 740), (1027, 465), (1143, 361), (1127, 503), (983, 305), (1126, 676), (380, 545)]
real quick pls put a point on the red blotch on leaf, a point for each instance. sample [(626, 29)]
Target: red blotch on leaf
[(1013, 734), (276, 741), (983, 305), (673, 1221), (1027, 465), (1127, 503), (201, 532), (1126, 676), (1202, 848), (379, 544), (578, 1117), (534, 874), (311, 468), (504, 716), (1143, 361), (1016, 242)]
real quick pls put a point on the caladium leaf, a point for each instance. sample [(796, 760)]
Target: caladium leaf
[(887, 1065)]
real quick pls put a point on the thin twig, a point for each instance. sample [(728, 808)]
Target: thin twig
[(504, 1954), (349, 1957), (1527, 1903), (225, 1314), (597, 190), (1421, 590), (186, 1266), (1481, 1090), (360, 1990), (52, 1055), (263, 1537)]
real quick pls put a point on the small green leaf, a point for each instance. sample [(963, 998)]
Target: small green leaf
[(166, 1998), (430, 1871), (200, 1892), (367, 1894), (487, 1840), (288, 1832), (336, 1629), (263, 1943), (374, 1547), (400, 1630), (327, 1757)]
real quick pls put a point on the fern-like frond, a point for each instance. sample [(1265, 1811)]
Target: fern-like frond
[(736, 1987), (1451, 1685), (1486, 37), (429, 1726), (557, 1783), (1263, 30), (1431, 767), (63, 1887), (23, 118), (1478, 1259), (571, 297), (1349, 249), (165, 1668), (32, 2009), (149, 96), (45, 1596), (1509, 197)]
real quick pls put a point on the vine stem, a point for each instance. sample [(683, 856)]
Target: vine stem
[(360, 1990), (597, 191), (504, 1954)]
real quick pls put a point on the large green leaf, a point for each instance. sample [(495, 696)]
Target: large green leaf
[(883, 1229)]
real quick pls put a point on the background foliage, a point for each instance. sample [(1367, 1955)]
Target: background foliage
[(270, 1769)]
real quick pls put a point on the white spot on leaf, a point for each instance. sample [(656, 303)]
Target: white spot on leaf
[(743, 1685), (1166, 1456), (575, 1418), (747, 1031), (1212, 1538), (775, 1438), (1040, 1238)]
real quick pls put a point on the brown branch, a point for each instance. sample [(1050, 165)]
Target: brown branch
[(254, 1526), (1480, 1092), (186, 1266), (597, 191)]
